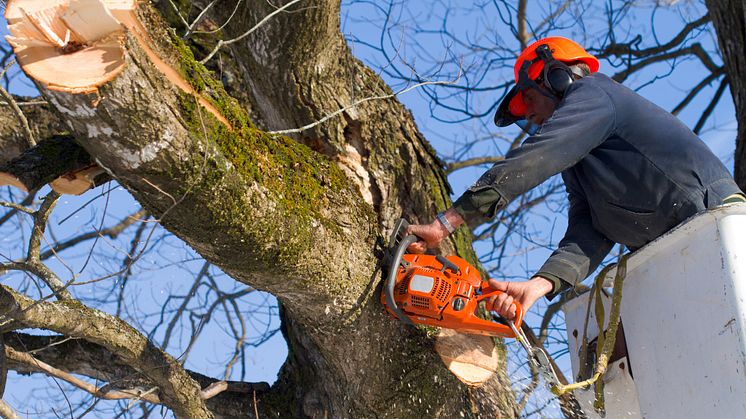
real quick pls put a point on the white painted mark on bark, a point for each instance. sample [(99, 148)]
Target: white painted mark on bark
[(94, 131), (80, 110), (134, 159)]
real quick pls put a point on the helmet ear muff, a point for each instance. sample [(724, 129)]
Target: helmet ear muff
[(558, 78)]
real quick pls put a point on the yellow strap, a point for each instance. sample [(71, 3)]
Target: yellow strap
[(602, 361), (736, 197)]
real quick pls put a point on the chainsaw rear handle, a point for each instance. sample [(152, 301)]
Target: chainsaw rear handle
[(391, 280), (488, 293)]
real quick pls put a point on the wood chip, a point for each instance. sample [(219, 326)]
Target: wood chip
[(471, 358), (90, 20)]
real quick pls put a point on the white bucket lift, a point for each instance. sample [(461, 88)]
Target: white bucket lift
[(683, 311)]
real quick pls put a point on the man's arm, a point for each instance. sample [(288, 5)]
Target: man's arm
[(582, 248), (579, 253), (582, 121)]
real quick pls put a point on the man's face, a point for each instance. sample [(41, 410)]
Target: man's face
[(539, 107)]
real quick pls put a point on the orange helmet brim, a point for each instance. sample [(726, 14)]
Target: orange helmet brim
[(511, 108)]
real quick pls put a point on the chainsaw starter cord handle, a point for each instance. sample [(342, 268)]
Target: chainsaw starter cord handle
[(391, 280)]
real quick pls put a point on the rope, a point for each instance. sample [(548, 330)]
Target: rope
[(606, 341)]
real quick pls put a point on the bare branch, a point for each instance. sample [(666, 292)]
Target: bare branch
[(99, 392), (178, 390), (711, 106), (477, 161), (111, 232), (7, 412), (359, 102), (17, 207)]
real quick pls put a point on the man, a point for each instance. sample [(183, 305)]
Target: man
[(631, 169)]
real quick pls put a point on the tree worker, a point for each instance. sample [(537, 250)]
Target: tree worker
[(631, 169)]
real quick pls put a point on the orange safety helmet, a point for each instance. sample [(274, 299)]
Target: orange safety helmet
[(536, 65)]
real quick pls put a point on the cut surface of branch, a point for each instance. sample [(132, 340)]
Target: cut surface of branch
[(69, 45), (472, 359), (76, 183)]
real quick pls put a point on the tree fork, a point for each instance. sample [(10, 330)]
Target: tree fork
[(272, 213)]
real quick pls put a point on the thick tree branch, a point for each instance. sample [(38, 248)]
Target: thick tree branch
[(77, 356), (176, 389), (47, 162), (98, 392)]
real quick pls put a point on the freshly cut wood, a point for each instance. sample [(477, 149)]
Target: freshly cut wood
[(75, 46), (471, 358), (90, 20), (76, 183), (69, 45), (7, 179)]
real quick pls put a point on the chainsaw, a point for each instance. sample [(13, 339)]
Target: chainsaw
[(445, 292), (439, 291)]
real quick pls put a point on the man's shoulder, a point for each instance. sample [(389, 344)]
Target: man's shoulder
[(597, 80)]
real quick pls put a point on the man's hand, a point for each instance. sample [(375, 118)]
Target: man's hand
[(525, 293), (432, 234)]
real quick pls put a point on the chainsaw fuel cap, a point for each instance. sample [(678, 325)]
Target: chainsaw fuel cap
[(458, 304)]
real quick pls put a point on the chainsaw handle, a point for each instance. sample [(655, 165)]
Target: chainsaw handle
[(488, 293), (391, 280)]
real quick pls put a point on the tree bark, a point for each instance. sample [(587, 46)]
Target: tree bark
[(729, 19), (43, 122), (301, 218)]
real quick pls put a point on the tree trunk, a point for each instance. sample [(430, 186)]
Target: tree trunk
[(301, 218), (729, 19)]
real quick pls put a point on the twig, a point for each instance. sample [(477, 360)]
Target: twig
[(361, 101), (7, 412), (178, 13), (111, 232), (33, 362), (221, 43), (452, 167), (213, 390), (16, 207), (198, 18), (711, 106), (29, 103), (235, 9)]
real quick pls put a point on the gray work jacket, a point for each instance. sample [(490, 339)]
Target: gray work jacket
[(632, 172)]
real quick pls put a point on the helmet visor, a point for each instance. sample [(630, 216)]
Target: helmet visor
[(512, 108)]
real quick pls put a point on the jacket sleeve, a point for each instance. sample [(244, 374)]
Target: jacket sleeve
[(581, 122), (581, 250)]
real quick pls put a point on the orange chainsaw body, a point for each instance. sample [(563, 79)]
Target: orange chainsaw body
[(445, 293)]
